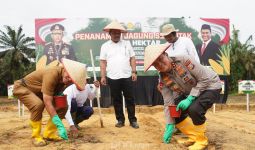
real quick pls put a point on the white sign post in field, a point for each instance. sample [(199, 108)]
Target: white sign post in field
[(10, 96), (247, 87)]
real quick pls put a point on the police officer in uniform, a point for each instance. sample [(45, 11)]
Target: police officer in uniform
[(190, 86), (57, 49)]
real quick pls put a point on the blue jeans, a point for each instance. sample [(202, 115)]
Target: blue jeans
[(80, 113)]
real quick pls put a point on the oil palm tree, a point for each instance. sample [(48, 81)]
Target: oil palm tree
[(242, 59), (17, 55), (249, 60)]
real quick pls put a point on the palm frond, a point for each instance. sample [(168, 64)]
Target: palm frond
[(19, 51)]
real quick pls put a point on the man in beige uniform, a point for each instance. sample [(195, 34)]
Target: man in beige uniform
[(189, 85), (36, 91)]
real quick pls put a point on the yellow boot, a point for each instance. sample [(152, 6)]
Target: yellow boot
[(187, 127), (50, 132), (201, 140), (36, 131)]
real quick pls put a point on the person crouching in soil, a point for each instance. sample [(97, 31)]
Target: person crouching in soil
[(190, 86), (36, 91), (77, 111)]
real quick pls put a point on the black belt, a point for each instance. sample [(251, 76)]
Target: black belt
[(23, 82)]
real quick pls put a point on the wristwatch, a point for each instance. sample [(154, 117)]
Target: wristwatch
[(135, 72)]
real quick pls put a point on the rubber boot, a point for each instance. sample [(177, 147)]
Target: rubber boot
[(201, 141), (37, 140), (188, 128), (50, 132)]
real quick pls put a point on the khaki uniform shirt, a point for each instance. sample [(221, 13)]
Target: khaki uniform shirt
[(187, 77), (47, 81)]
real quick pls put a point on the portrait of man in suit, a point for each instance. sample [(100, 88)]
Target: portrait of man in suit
[(207, 49)]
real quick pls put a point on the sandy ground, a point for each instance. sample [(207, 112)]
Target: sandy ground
[(231, 127)]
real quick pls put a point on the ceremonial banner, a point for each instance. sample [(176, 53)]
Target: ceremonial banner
[(82, 34)]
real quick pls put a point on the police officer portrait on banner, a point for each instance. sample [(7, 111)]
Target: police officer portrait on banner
[(57, 48)]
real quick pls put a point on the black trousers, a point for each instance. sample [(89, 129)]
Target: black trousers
[(198, 108), (118, 86)]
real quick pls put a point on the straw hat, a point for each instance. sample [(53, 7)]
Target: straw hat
[(87, 77), (167, 29), (152, 52), (77, 72), (114, 25), (41, 63)]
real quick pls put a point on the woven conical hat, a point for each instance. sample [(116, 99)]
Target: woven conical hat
[(152, 52), (114, 25), (77, 72), (41, 63)]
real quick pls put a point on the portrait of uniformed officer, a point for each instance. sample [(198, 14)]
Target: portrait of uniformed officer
[(58, 49)]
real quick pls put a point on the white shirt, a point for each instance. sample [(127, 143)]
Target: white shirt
[(117, 56), (80, 96), (183, 46), (206, 43)]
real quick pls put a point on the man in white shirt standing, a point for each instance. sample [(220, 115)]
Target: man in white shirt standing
[(180, 45), (77, 112), (117, 58)]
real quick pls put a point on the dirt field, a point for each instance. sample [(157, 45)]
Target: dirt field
[(230, 128)]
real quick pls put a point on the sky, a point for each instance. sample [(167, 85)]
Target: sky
[(24, 12)]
